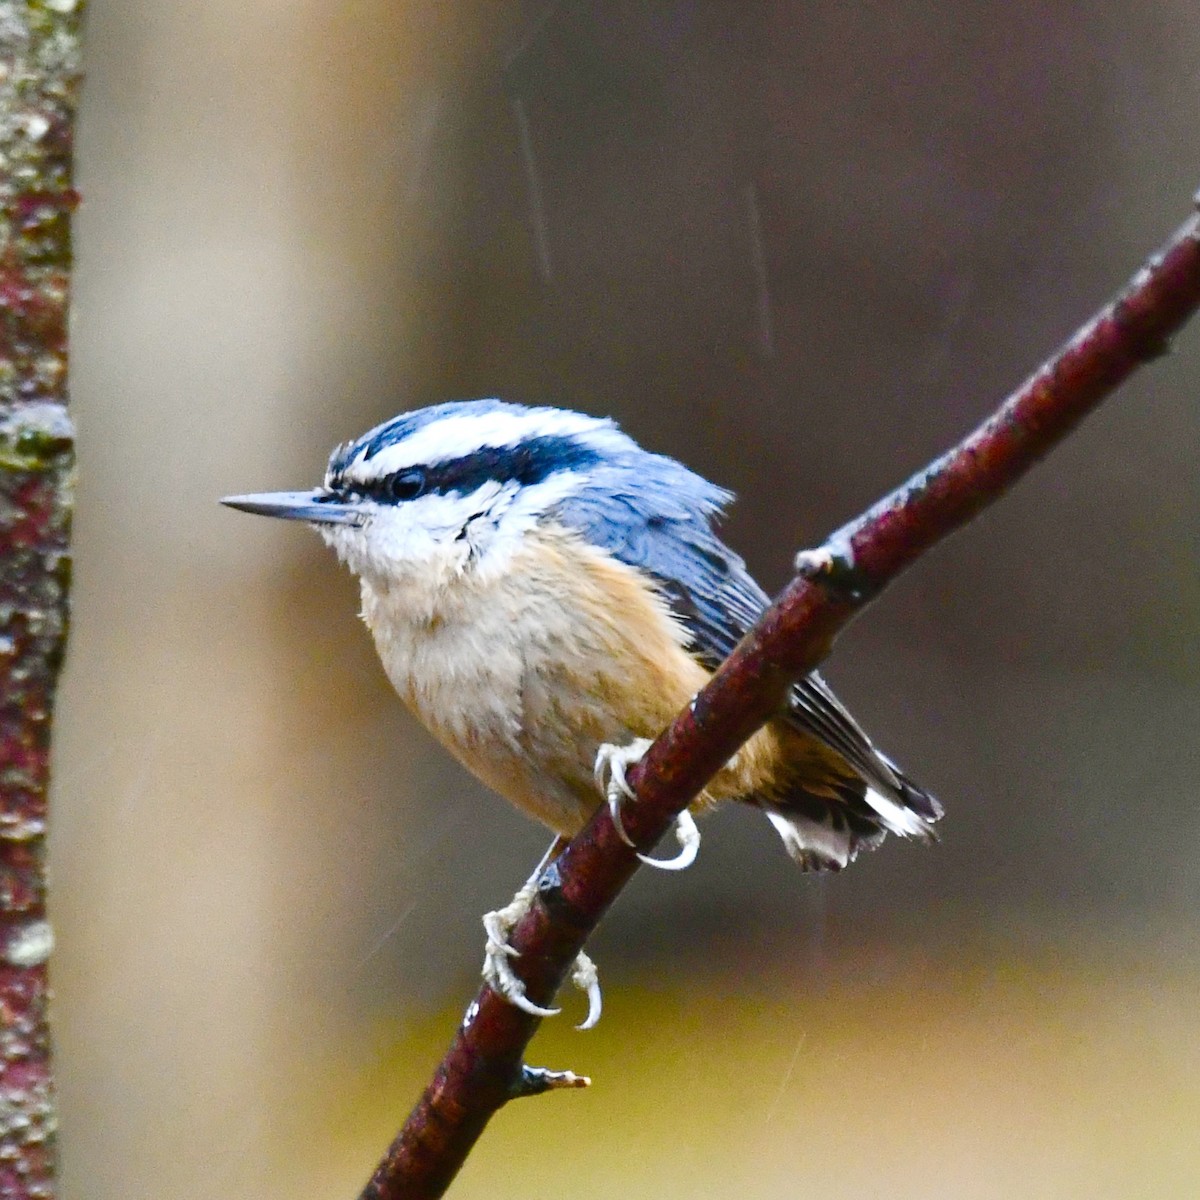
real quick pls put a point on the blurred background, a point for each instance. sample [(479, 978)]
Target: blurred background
[(802, 247)]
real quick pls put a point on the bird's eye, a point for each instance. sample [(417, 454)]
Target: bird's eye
[(406, 485)]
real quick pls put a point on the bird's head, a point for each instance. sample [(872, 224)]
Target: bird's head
[(450, 487)]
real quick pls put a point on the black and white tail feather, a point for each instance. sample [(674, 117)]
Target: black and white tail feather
[(824, 833)]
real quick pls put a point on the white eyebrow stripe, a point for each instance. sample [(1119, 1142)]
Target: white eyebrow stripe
[(464, 434)]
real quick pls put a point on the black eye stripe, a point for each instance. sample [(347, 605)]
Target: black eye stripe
[(526, 464)]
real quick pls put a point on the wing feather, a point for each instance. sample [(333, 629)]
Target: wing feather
[(662, 524)]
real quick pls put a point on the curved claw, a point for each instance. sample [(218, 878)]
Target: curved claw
[(501, 978), (518, 999), (688, 836), (521, 1001), (497, 927), (498, 955), (585, 978), (612, 761), (602, 764), (497, 973), (614, 811)]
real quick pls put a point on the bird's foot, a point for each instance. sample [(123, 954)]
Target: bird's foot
[(587, 979), (498, 954), (611, 764)]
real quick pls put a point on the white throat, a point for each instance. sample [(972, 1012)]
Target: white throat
[(421, 552)]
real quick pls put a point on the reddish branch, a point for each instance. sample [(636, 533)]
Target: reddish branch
[(483, 1067), (39, 74)]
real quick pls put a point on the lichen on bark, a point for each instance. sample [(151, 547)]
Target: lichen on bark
[(39, 80)]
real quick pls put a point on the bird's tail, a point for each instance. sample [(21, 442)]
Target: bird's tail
[(825, 830)]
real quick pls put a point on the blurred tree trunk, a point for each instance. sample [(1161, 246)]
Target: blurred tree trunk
[(39, 77)]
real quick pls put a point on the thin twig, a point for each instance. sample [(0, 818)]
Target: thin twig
[(483, 1067)]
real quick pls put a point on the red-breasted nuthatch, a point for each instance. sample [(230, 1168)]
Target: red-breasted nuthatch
[(545, 595)]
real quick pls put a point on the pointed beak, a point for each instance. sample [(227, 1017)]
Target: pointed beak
[(316, 507)]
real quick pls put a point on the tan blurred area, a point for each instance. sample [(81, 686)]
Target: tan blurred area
[(801, 247)]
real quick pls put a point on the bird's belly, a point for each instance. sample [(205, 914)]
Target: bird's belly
[(571, 707), (567, 651)]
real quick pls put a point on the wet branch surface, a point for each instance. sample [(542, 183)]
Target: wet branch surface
[(39, 78), (483, 1069)]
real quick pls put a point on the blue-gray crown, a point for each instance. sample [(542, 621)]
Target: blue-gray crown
[(460, 446), (474, 454)]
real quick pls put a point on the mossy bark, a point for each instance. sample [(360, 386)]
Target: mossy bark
[(39, 80)]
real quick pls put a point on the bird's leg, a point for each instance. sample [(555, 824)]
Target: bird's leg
[(611, 764), (497, 970)]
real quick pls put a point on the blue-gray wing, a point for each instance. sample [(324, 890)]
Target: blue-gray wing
[(661, 522)]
